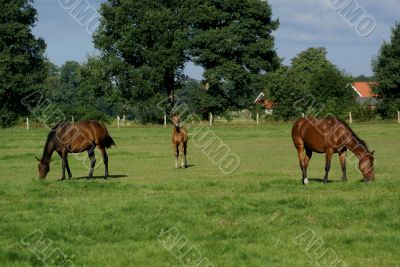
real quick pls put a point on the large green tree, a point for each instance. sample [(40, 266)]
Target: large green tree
[(387, 73), (232, 40), (143, 44), (22, 64)]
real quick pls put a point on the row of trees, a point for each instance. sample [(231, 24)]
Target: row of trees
[(144, 46), (311, 85)]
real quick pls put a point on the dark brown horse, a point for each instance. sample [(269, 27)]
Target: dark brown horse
[(179, 141), (330, 135), (75, 138)]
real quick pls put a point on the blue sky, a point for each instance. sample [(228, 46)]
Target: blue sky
[(303, 24)]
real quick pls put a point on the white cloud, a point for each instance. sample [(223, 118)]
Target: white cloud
[(313, 23)]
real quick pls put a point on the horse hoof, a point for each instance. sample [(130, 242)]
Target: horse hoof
[(305, 181)]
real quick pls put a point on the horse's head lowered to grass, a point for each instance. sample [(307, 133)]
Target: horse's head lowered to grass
[(43, 167), (366, 166)]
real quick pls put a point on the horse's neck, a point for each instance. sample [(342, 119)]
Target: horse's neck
[(48, 150), (357, 147), (177, 129)]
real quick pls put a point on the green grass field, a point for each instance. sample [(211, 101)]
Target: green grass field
[(260, 215)]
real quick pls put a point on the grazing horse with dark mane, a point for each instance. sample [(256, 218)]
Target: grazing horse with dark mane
[(179, 141), (75, 138), (330, 135)]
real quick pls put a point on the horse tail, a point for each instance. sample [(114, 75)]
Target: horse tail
[(108, 141)]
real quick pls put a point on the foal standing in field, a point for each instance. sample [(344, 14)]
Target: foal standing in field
[(179, 141), (330, 135), (75, 138)]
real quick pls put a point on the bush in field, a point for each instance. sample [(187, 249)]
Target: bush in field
[(388, 108), (363, 112), (7, 118)]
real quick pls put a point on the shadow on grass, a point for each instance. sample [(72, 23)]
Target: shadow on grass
[(116, 176), (188, 166), (321, 180)]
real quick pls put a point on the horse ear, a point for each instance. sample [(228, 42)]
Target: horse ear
[(37, 158), (372, 152)]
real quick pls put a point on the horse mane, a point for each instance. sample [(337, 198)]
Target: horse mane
[(52, 134), (361, 141)]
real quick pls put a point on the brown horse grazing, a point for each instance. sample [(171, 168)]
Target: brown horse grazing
[(75, 138), (179, 141), (330, 135)]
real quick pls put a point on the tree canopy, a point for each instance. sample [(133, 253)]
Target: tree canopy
[(146, 44), (22, 65), (144, 47), (143, 42), (387, 72), (311, 85), (232, 40)]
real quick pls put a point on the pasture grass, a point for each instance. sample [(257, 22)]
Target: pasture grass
[(253, 217)]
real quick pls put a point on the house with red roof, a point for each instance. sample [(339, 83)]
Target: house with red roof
[(266, 103), (364, 90)]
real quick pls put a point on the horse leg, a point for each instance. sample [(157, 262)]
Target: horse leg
[(307, 159), (181, 155), (105, 160), (300, 153), (184, 153), (92, 158), (68, 170), (342, 158), (64, 164), (328, 158), (176, 153), (67, 166)]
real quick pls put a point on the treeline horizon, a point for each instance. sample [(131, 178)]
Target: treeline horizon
[(139, 72)]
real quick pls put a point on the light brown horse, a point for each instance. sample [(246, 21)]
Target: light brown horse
[(75, 138), (179, 141), (330, 135)]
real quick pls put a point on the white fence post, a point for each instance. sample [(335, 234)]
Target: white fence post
[(303, 115), (211, 119), (165, 120), (350, 118), (118, 120), (27, 123), (398, 117), (73, 121), (257, 118)]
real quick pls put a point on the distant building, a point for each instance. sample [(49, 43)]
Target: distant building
[(266, 103), (365, 93)]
